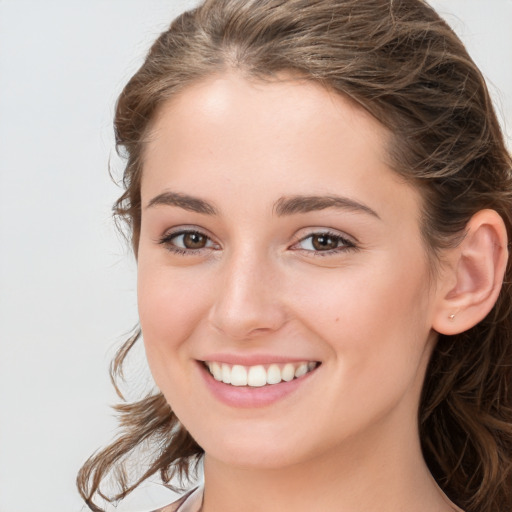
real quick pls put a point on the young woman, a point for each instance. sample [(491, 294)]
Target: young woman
[(319, 198)]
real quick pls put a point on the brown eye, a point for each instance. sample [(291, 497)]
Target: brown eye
[(324, 242), (187, 241), (194, 240)]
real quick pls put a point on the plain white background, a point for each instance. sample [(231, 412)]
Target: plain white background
[(67, 280)]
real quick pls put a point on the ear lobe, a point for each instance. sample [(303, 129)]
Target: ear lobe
[(477, 267)]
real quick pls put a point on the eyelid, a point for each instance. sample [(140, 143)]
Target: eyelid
[(323, 230), (185, 228), (348, 242), (171, 233)]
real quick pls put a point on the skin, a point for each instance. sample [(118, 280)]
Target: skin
[(347, 438)]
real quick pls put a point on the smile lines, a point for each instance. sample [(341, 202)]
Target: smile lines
[(258, 376)]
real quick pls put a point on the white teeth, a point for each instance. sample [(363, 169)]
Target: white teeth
[(216, 370), (273, 374), (288, 372), (257, 376), (301, 370), (226, 374), (238, 376)]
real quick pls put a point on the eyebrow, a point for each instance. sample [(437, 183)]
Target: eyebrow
[(304, 204), (190, 203), (284, 206)]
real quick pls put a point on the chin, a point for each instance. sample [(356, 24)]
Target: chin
[(253, 457), (256, 448)]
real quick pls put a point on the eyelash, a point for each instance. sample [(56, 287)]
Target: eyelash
[(346, 245), (167, 241), (343, 244)]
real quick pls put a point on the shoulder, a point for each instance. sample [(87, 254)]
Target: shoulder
[(190, 502)]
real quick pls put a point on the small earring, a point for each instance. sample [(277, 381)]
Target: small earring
[(452, 316)]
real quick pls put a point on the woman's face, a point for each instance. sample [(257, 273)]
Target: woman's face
[(275, 239)]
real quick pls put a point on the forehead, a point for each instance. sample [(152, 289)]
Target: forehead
[(226, 135), (230, 99)]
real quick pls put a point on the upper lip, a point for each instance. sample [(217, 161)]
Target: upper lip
[(254, 359)]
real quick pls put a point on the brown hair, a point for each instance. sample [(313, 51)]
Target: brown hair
[(404, 65)]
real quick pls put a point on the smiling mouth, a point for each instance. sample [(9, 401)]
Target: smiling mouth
[(258, 375)]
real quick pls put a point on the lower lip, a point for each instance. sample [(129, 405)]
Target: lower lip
[(247, 396)]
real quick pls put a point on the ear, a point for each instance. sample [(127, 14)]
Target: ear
[(471, 282)]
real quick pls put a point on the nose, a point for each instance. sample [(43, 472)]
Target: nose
[(247, 302)]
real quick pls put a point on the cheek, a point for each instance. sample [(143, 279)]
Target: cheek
[(171, 306), (372, 316), (374, 324), (362, 296)]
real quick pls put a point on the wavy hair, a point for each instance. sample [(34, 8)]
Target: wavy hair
[(402, 63)]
